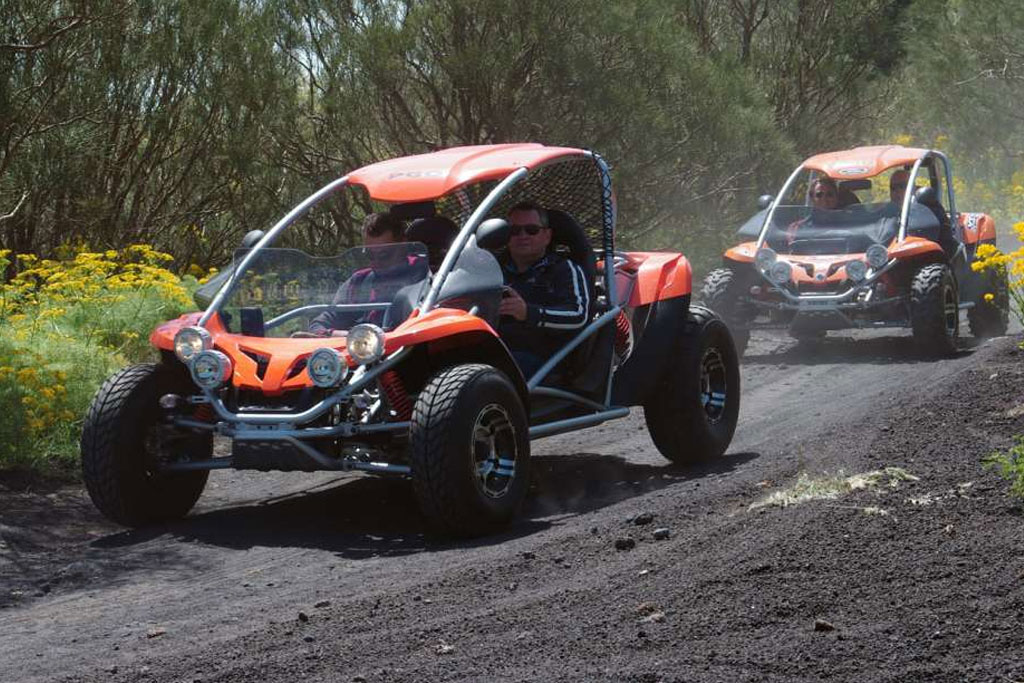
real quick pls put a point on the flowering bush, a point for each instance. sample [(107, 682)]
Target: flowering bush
[(1010, 266), (65, 325)]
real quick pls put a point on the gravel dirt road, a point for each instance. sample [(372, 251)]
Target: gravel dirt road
[(330, 578)]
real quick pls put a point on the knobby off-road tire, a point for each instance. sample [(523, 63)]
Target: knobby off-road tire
[(991, 318), (469, 450), (120, 443), (935, 310), (692, 413), (720, 292)]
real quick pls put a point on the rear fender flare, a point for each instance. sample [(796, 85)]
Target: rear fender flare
[(654, 352)]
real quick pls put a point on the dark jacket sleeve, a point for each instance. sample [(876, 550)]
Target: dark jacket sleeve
[(571, 309), (333, 319)]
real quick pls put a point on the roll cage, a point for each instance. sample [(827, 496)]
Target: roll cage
[(384, 181), (866, 163)]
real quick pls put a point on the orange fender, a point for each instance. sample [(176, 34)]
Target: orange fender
[(742, 253), (659, 276), (914, 246), (977, 227)]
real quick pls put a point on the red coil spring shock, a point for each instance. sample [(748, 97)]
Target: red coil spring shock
[(622, 343), (398, 397)]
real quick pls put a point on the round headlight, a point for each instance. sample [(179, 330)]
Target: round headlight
[(877, 256), (327, 368), (764, 258), (210, 369), (781, 272), (189, 341), (856, 270), (365, 343)]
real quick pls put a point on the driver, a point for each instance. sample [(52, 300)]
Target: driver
[(825, 194), (389, 271), (546, 297), (824, 197), (898, 186)]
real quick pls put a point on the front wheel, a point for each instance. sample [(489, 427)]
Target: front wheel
[(692, 413), (470, 450), (124, 440), (935, 310), (721, 293)]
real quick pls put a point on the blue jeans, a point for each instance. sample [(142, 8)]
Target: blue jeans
[(528, 362)]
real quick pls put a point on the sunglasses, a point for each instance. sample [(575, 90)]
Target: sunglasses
[(819, 195), (528, 229)]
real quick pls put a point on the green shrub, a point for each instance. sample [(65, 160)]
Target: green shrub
[(65, 326), (1010, 466)]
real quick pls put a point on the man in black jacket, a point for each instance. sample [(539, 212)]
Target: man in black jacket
[(546, 299)]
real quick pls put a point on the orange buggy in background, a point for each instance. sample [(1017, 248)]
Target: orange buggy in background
[(870, 263), (419, 385)]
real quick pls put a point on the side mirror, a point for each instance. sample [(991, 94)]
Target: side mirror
[(764, 201), (493, 234), (251, 238)]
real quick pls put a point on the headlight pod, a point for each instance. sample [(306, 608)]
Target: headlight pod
[(327, 368), (877, 256), (190, 341), (856, 270), (210, 369), (764, 258), (780, 273), (365, 343)]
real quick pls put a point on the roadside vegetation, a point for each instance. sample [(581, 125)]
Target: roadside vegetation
[(65, 325), (159, 133)]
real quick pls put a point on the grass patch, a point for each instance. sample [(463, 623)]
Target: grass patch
[(809, 488), (1010, 466)]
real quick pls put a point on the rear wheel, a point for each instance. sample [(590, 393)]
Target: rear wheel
[(991, 318), (470, 450), (720, 292), (935, 310), (124, 441), (692, 413)]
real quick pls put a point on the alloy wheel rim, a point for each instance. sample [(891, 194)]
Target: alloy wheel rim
[(493, 443), (951, 311), (713, 384)]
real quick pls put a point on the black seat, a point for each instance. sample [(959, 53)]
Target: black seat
[(927, 196), (586, 367), (437, 233), (566, 232)]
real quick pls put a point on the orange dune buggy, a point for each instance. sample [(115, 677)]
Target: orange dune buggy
[(414, 382), (893, 251)]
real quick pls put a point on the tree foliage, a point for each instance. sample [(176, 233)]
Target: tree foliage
[(187, 123)]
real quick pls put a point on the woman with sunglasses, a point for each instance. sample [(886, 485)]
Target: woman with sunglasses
[(546, 296), (825, 194)]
